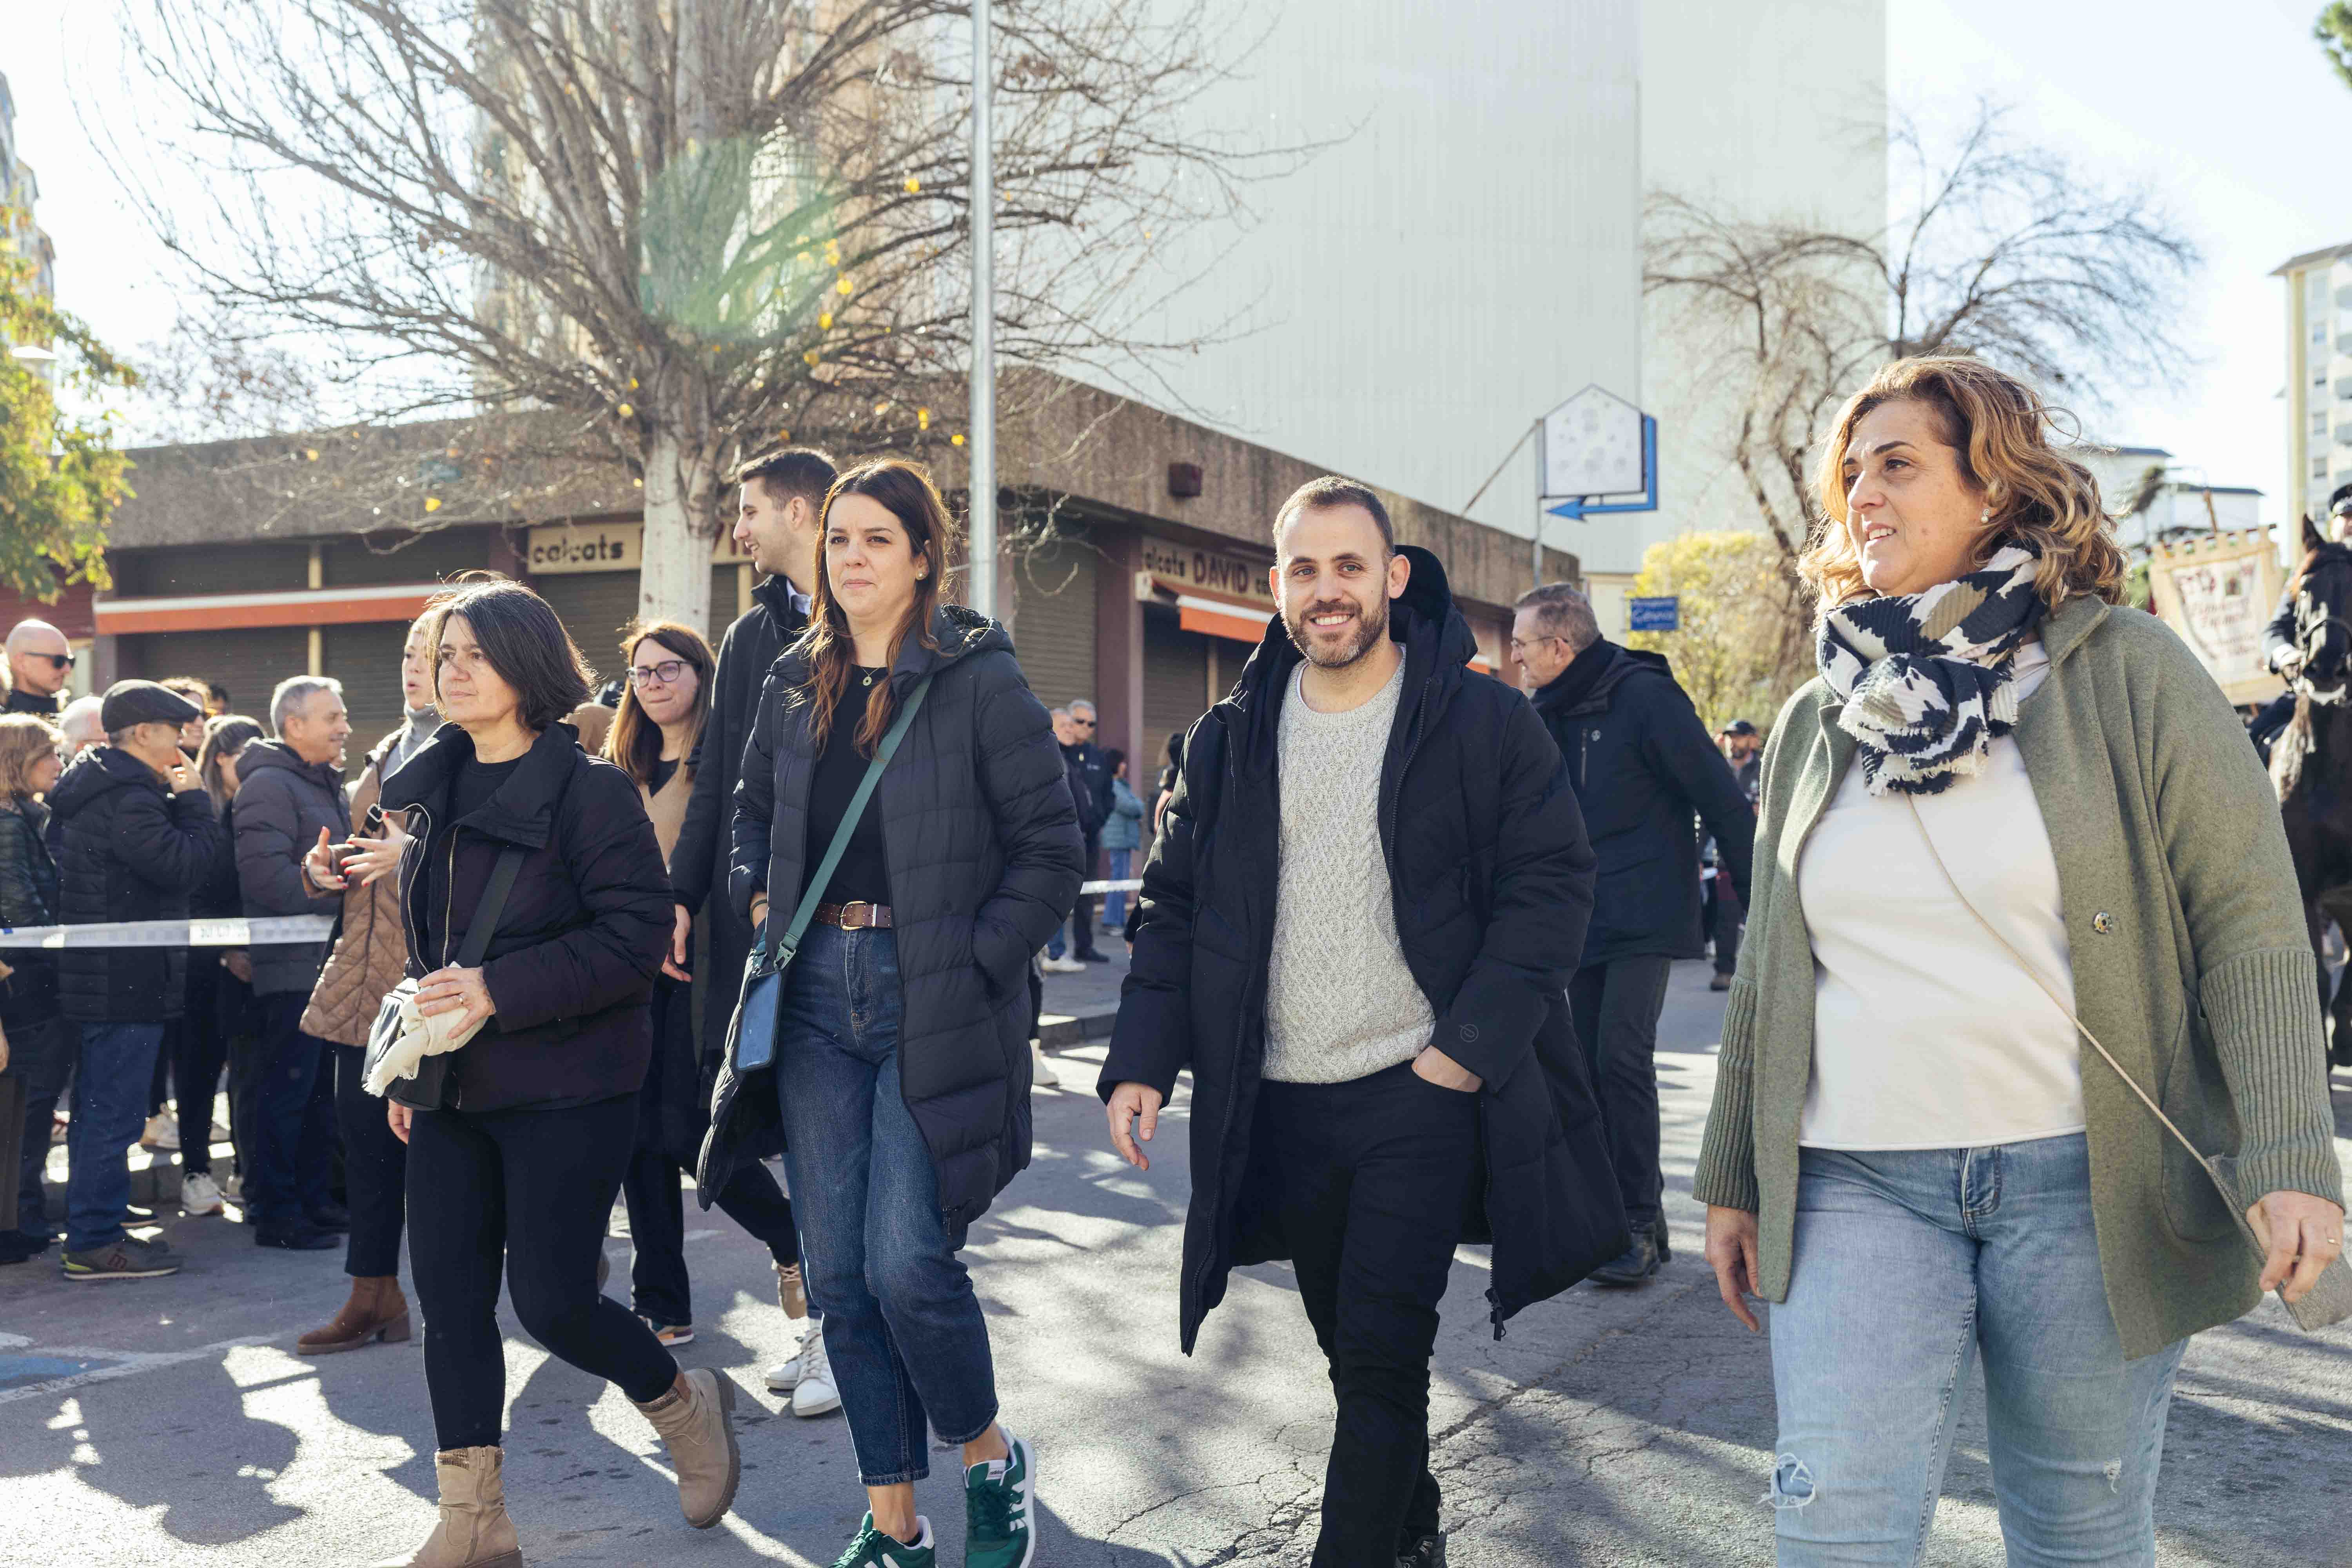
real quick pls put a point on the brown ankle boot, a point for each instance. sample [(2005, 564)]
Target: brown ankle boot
[(474, 1531), (376, 1310), (701, 1441)]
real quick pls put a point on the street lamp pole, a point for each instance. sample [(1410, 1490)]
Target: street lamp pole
[(980, 586)]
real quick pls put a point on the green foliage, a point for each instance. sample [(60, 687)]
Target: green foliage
[(2334, 32), (60, 479), (1742, 645)]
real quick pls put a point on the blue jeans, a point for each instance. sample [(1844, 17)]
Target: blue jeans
[(901, 1324), (1058, 943), (1908, 1264), (1114, 911), (110, 1108)]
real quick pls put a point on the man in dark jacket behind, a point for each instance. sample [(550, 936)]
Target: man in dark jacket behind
[(289, 798), (1070, 948), (1356, 930), (1646, 774), (1088, 764), (780, 516), (136, 835)]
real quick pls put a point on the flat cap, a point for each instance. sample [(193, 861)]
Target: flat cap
[(128, 702)]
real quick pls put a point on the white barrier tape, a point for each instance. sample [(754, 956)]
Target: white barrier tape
[(1131, 885), (174, 933)]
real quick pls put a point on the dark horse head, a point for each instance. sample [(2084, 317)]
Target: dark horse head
[(2323, 619)]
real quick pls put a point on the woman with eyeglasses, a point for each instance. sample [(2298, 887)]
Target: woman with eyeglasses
[(653, 740), (40, 1043)]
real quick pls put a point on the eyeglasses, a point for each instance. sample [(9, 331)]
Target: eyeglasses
[(1519, 647), (663, 674), (56, 660)]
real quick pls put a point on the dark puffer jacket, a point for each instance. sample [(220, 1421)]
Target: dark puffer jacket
[(1492, 886), (129, 850), (28, 897), (1646, 776), (282, 802), (983, 849), (571, 967)]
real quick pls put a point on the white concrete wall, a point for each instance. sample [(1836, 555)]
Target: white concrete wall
[(1463, 260)]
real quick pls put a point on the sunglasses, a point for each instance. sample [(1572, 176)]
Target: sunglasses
[(56, 660)]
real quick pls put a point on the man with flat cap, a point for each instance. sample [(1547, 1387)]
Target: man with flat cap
[(136, 835)]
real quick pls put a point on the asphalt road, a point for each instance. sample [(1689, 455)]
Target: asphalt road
[(169, 1422)]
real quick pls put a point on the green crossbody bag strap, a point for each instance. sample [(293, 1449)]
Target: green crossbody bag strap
[(813, 893)]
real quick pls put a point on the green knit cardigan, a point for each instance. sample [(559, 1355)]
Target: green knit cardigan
[(2190, 960)]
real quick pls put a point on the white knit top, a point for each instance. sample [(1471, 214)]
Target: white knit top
[(1340, 1004), (1927, 1033)]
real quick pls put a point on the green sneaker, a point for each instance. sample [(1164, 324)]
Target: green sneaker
[(872, 1548), (999, 1529)]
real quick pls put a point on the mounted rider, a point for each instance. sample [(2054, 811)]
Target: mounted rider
[(2280, 650)]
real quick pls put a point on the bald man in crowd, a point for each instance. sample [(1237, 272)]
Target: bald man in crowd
[(40, 662)]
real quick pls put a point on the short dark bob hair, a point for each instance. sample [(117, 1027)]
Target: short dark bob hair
[(524, 640)]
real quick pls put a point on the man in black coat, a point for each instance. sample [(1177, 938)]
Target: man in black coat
[(1087, 765), (2282, 652), (136, 833), (1069, 954), (1646, 776), (289, 796), (1373, 1016)]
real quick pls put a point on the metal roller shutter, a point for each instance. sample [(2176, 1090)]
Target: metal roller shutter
[(722, 604), (209, 569), (366, 659), (1054, 622), (1175, 677), (249, 661), (594, 607)]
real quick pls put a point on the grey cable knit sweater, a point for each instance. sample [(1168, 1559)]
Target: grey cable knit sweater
[(1340, 1002)]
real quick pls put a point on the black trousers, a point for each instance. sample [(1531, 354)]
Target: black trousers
[(1082, 913), (658, 1287), (288, 1148), (531, 1191), (1724, 916), (1615, 1007), (375, 1169), (1367, 1181), (198, 1048)]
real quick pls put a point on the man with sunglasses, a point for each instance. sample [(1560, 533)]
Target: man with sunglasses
[(1087, 760), (40, 662)]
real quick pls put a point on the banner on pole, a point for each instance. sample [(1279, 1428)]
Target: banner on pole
[(2218, 590)]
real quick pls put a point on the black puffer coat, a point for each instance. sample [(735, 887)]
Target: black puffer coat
[(585, 928), (1646, 776), (982, 845), (1492, 884), (282, 802), (129, 850), (28, 897)]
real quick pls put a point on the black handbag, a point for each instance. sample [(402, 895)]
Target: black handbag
[(427, 1089)]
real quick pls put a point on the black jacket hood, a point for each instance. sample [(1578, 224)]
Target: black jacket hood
[(522, 811), (1627, 661), (98, 771)]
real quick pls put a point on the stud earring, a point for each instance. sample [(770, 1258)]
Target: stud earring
[(1984, 517)]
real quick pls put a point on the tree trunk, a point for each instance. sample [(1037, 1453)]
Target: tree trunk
[(674, 573)]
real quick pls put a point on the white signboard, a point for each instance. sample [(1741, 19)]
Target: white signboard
[(1593, 446)]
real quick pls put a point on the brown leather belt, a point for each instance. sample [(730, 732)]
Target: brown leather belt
[(855, 916)]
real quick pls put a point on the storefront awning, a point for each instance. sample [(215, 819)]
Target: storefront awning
[(297, 607)]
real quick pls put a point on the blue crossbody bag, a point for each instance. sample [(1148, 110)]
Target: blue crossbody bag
[(754, 1032)]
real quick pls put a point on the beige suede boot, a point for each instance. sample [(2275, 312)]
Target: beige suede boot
[(697, 1428), (474, 1531)]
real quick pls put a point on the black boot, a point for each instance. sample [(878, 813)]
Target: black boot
[(1429, 1551), (1636, 1265)]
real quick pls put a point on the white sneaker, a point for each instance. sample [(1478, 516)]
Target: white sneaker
[(162, 1131), (1062, 967), (1041, 1071), (233, 1189), (813, 1393), (199, 1194), (785, 1375)]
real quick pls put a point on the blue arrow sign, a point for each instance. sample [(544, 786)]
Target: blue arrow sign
[(1580, 507)]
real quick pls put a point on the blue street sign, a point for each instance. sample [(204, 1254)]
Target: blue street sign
[(1662, 615)]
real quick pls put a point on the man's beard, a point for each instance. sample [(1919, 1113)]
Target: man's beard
[(1370, 627)]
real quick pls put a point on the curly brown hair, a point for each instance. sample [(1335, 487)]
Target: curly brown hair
[(2000, 429)]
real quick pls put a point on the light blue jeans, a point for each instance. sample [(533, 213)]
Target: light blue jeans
[(1909, 1263), (1114, 907)]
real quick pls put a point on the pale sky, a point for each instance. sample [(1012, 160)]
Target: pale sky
[(2228, 110)]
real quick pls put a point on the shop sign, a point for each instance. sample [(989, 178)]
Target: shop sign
[(557, 549), (1184, 567)]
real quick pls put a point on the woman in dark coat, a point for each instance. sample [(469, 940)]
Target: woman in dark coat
[(901, 1060), (40, 1043), (518, 1139)]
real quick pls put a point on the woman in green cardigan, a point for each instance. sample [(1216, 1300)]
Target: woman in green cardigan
[(2005, 805)]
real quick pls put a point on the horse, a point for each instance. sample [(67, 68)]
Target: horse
[(2311, 766)]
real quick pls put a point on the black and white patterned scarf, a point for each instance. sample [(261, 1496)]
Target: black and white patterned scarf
[(1926, 678)]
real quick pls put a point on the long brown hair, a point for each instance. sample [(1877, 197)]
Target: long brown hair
[(905, 491), (634, 740), (2000, 429)]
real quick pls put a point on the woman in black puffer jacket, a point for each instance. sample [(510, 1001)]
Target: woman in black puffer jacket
[(901, 1060), (41, 1041)]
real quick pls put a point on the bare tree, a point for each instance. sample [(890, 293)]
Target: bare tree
[(2000, 250), (663, 234)]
